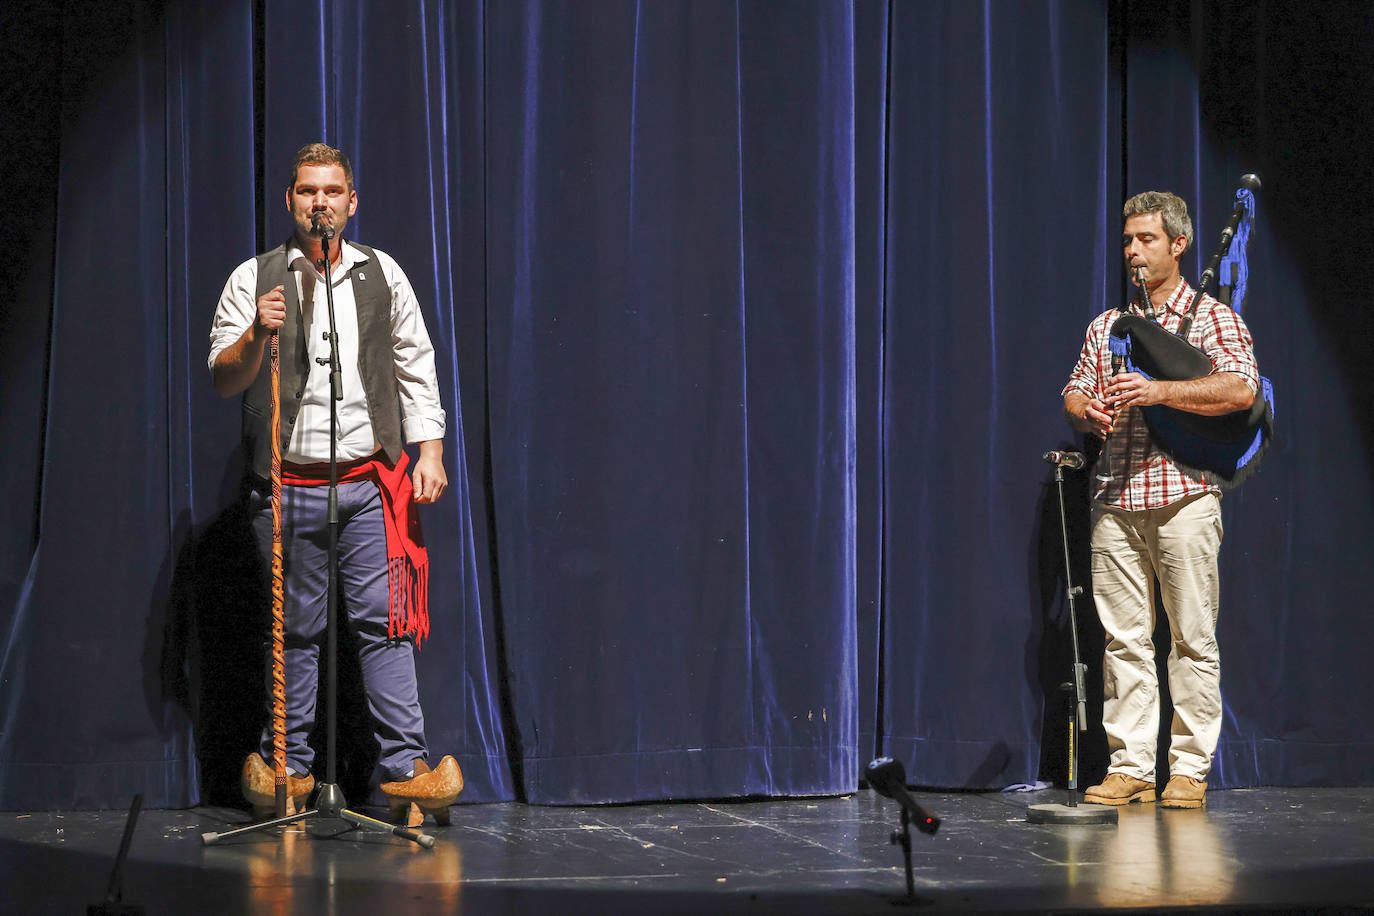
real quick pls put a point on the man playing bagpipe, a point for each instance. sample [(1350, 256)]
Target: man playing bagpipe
[(1154, 517)]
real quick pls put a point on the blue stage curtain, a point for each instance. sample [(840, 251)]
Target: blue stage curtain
[(1214, 92), (670, 296), (751, 322), (135, 611), (872, 39), (999, 243), (86, 722)]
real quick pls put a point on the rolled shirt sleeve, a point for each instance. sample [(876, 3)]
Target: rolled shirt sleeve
[(1227, 343), (422, 413), (237, 309), (1086, 377)]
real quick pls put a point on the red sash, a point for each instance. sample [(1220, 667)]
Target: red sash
[(407, 560)]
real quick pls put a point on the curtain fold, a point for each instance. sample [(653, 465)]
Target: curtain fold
[(85, 718), (998, 190), (651, 500)]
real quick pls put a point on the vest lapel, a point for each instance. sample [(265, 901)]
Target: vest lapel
[(307, 303)]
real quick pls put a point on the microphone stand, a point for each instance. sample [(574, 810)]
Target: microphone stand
[(902, 838), (1071, 813), (329, 798), (887, 777)]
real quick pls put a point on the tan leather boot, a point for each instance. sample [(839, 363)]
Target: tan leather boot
[(427, 792), (1120, 789), (1184, 792), (259, 785)]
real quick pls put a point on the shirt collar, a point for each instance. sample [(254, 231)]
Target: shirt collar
[(352, 256), (1178, 300)]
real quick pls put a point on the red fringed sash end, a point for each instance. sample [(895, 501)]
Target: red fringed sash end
[(407, 599), (407, 560)]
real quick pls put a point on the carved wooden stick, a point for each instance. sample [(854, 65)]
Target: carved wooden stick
[(278, 591)]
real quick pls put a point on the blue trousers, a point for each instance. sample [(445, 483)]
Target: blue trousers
[(388, 665)]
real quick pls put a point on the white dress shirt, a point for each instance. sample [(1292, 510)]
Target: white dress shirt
[(422, 415)]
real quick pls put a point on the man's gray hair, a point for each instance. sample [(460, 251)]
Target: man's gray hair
[(1171, 209)]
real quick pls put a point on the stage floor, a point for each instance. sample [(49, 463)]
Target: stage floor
[(1275, 850)]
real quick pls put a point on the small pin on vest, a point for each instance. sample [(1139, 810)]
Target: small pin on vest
[(361, 275)]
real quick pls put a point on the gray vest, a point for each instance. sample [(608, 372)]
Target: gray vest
[(376, 362)]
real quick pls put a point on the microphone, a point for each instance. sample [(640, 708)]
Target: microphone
[(1071, 460), (321, 226), (1250, 180), (888, 778)]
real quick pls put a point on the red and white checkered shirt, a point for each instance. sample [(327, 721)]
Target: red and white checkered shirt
[(1143, 477)]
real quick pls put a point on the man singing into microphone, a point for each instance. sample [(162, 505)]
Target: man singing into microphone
[(390, 395), (1153, 519)]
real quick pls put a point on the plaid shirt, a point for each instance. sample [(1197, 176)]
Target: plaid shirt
[(1143, 476)]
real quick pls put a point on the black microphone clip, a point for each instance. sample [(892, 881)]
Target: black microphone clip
[(1070, 460)]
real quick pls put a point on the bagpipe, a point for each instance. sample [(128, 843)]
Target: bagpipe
[(1224, 449)]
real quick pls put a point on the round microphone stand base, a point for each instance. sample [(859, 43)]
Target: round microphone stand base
[(1071, 814)]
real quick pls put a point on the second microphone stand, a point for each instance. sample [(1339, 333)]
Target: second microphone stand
[(329, 798), (1071, 813)]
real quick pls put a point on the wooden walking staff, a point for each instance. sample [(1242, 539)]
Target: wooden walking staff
[(278, 590)]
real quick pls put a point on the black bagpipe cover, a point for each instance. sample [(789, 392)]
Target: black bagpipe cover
[(1226, 448)]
